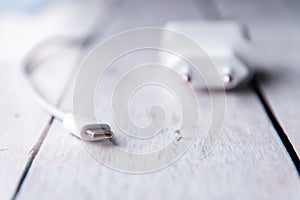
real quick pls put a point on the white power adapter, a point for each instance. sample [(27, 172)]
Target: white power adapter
[(223, 41)]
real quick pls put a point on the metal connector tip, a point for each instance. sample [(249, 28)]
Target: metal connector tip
[(99, 133), (227, 78)]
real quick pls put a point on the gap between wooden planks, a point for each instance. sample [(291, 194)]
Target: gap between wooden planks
[(275, 58)]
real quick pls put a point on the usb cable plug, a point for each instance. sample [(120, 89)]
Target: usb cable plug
[(87, 131)]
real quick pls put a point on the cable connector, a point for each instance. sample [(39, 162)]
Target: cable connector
[(87, 131)]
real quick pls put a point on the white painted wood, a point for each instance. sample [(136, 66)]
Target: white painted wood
[(21, 124), (22, 121), (249, 162), (275, 30)]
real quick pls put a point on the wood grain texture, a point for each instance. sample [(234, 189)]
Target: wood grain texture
[(22, 122), (248, 162), (275, 31), (19, 133)]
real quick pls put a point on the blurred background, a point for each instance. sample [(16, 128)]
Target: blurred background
[(24, 24)]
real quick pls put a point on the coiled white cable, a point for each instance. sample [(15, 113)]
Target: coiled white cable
[(88, 131)]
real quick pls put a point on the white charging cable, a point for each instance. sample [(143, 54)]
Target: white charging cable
[(74, 124), (85, 131)]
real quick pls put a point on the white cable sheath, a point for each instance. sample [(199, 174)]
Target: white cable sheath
[(85, 131), (81, 128), (39, 99)]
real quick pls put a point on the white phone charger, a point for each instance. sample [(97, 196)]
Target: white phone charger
[(223, 42)]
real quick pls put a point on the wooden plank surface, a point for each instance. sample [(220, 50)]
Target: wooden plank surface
[(245, 164), (23, 123), (18, 132), (248, 162), (275, 31)]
